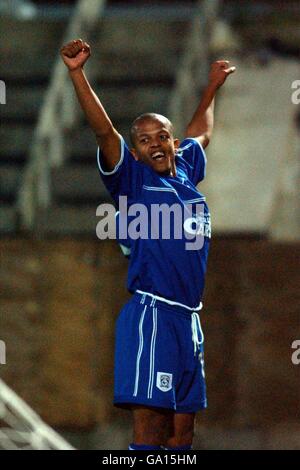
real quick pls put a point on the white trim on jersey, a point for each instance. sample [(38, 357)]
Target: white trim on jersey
[(107, 173), (125, 250), (199, 199), (159, 188), (201, 147), (179, 151)]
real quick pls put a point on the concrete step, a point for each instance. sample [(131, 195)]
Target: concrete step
[(10, 178), (121, 99), (286, 31), (248, 96), (22, 102), (15, 139), (135, 62), (142, 36), (68, 220), (84, 144), (122, 104), (135, 8), (33, 50), (148, 42), (142, 49), (79, 184), (8, 219), (130, 101), (250, 139)]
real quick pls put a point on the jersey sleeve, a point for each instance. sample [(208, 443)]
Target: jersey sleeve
[(191, 159), (126, 178)]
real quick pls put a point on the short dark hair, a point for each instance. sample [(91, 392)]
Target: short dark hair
[(146, 116)]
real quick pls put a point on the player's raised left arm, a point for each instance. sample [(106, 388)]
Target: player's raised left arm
[(202, 123)]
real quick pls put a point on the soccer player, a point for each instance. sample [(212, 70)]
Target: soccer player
[(159, 362)]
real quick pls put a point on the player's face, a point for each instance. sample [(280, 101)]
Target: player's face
[(155, 145)]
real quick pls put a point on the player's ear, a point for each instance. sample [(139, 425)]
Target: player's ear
[(134, 153), (176, 143)]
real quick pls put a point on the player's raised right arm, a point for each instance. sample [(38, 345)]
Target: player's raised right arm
[(74, 55)]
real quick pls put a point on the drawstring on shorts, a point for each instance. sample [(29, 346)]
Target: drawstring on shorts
[(195, 319), (195, 326)]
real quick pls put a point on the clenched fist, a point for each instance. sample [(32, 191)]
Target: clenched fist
[(75, 54), (219, 71)]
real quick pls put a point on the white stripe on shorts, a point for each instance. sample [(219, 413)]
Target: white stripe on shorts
[(141, 344), (152, 353)]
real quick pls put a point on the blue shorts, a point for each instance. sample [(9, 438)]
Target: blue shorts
[(158, 361)]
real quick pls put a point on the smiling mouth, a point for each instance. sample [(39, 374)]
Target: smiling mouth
[(158, 156)]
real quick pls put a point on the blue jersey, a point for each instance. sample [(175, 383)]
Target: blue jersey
[(162, 265)]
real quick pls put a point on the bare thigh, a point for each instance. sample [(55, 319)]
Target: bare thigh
[(156, 426), (182, 430), (151, 426)]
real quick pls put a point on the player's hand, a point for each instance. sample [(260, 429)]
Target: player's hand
[(75, 54), (219, 71)]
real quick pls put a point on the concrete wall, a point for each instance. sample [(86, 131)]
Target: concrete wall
[(59, 302), (253, 158)]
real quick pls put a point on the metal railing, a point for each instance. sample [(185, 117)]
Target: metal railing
[(57, 118), (194, 65), (22, 429)]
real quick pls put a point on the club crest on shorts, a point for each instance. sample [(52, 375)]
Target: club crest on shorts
[(164, 381)]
